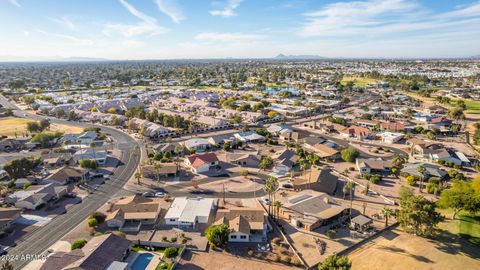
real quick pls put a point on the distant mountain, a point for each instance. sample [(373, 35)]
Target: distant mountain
[(306, 57), (475, 57), (82, 59)]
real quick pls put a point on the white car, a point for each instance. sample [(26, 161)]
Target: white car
[(265, 200)]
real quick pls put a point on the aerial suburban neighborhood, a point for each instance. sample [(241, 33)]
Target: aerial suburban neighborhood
[(266, 162)]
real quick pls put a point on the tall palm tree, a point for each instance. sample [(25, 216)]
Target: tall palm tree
[(270, 187), (277, 205), (387, 212), (421, 169), (138, 175), (157, 168)]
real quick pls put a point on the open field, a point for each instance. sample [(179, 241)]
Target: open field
[(466, 225), (10, 126), (358, 81), (395, 249)]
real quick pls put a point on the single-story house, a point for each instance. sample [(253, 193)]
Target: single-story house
[(373, 166), (311, 209), (188, 212), (169, 169), (68, 174), (356, 132), (249, 137), (197, 144), (91, 154), (390, 137), (200, 163), (8, 216), (245, 224), (99, 253), (316, 179), (37, 195), (432, 170), (130, 213)]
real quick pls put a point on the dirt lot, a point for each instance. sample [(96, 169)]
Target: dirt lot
[(222, 261), (398, 250)]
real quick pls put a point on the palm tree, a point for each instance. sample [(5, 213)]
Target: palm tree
[(348, 188), (138, 175), (270, 186), (157, 168), (277, 205), (387, 212), (421, 169)]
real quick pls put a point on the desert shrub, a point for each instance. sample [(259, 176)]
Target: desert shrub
[(92, 222), (170, 252), (78, 244), (411, 180)]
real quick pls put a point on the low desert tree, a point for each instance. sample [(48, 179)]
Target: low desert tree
[(418, 215), (217, 235), (266, 163), (334, 262), (350, 154)]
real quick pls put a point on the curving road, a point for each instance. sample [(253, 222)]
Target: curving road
[(35, 243)]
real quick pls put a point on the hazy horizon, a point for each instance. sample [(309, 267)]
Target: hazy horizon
[(240, 29)]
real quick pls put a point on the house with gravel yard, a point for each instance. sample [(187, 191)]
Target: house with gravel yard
[(310, 210), (321, 180), (431, 170), (132, 212), (200, 163), (245, 224), (189, 212), (373, 166)]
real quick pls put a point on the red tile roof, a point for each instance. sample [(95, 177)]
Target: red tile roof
[(200, 159)]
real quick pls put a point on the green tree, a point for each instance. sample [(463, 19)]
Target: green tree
[(266, 163), (418, 215), (350, 154), (89, 164), (20, 168), (170, 252), (33, 127), (217, 235), (461, 196), (334, 262)]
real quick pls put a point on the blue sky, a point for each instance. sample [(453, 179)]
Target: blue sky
[(169, 29)]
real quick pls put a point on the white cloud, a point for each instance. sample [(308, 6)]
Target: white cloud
[(65, 21), (75, 40), (15, 3), (371, 18), (227, 37), (171, 9), (148, 25), (228, 9)]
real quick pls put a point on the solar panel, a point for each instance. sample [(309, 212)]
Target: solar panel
[(299, 198)]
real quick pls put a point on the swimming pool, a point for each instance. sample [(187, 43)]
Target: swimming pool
[(142, 260)]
